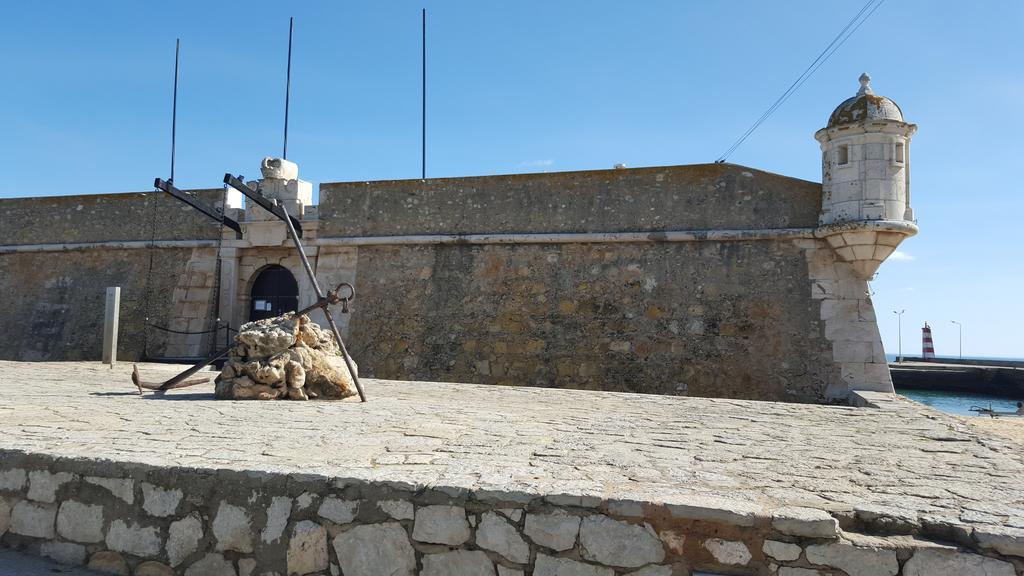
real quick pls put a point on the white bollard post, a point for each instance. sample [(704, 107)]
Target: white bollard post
[(110, 320)]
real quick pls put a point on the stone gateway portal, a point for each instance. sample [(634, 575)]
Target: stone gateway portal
[(274, 292)]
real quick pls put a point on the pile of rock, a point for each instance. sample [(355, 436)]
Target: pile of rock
[(285, 357)]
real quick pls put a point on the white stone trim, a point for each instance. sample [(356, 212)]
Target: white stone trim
[(111, 245), (573, 238)]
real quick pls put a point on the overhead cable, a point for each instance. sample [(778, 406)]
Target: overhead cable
[(852, 26)]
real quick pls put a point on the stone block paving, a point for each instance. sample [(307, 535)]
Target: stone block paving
[(433, 479), (901, 457)]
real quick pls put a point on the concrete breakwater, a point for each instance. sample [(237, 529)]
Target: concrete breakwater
[(434, 478), (993, 377)]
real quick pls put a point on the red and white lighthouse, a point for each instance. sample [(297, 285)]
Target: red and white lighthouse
[(927, 347)]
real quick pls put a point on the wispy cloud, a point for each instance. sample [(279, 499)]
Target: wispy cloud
[(537, 163), (900, 255)]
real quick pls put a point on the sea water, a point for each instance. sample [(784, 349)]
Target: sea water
[(958, 402)]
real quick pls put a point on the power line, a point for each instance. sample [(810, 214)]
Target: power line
[(851, 27)]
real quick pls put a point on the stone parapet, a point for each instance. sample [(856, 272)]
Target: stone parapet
[(432, 478), (139, 519)]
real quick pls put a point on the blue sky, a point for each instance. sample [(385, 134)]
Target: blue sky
[(535, 86)]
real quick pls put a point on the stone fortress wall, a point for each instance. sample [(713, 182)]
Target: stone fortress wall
[(676, 280), (702, 280), (707, 280), (58, 254)]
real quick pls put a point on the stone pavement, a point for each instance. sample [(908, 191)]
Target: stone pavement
[(899, 461), (19, 564)]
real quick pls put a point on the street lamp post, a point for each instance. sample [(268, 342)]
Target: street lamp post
[(899, 332), (961, 327)]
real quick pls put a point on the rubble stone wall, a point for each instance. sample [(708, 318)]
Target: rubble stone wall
[(694, 280), (144, 521), (52, 305), (717, 319), (53, 294), (695, 197), (756, 312), (104, 217)]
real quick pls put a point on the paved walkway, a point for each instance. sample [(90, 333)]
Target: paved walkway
[(901, 456), (17, 564)]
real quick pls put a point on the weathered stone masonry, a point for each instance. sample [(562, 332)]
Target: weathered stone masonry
[(709, 280), (159, 522)]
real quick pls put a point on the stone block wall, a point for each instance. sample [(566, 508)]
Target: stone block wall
[(734, 319), (53, 303), (702, 280), (133, 216), (475, 280), (59, 254), (143, 521), (696, 197)]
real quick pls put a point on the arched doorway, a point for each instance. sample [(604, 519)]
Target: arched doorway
[(274, 292)]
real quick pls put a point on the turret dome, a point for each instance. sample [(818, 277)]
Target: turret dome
[(865, 106)]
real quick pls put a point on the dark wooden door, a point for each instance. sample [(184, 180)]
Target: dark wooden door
[(274, 292)]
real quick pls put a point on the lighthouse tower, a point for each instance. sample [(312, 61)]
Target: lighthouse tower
[(865, 179)]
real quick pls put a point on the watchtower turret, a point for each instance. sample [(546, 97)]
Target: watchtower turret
[(865, 179)]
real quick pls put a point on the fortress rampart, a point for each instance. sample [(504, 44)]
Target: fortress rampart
[(703, 280), (707, 280)]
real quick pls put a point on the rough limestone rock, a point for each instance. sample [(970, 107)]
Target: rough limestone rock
[(337, 510), (931, 562), (375, 550), (232, 528), (557, 530), (133, 538), (441, 525), (277, 518), (284, 358), (159, 501), (1002, 539), (247, 566), (34, 520), (43, 485), (13, 480), (548, 566), (123, 488), (806, 522), (729, 552), (782, 551), (183, 538), (461, 562), (307, 549), (397, 509), (495, 534), (616, 543), (80, 522), (212, 565), (854, 560)]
